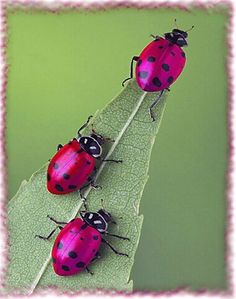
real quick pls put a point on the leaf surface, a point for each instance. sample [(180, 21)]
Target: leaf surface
[(126, 120)]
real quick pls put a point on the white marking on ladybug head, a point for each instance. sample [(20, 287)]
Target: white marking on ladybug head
[(85, 140), (93, 147), (82, 214), (90, 216), (97, 222)]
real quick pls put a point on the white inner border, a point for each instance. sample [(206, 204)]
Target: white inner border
[(233, 175)]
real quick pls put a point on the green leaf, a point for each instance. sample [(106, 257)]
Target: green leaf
[(127, 121)]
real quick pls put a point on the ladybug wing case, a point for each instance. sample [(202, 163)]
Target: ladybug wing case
[(75, 247), (159, 65), (69, 169)]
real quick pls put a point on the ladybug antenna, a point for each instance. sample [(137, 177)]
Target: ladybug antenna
[(175, 21), (189, 29), (102, 204), (104, 209)]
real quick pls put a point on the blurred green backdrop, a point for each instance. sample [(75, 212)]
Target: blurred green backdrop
[(64, 66)]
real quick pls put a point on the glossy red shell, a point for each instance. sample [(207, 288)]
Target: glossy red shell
[(159, 65), (69, 169), (75, 247)]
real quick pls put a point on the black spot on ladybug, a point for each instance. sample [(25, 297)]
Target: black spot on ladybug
[(88, 162), (80, 151), (165, 67), (170, 79), (160, 47), (80, 265), (59, 187), (65, 268), (156, 81), (151, 59), (95, 237), (54, 260), (81, 238), (72, 186), (170, 45), (172, 53), (72, 254), (139, 62), (84, 226), (55, 166), (66, 176), (183, 54), (48, 177), (143, 74), (59, 245)]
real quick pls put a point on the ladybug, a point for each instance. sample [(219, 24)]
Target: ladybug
[(74, 163), (78, 243), (160, 63)]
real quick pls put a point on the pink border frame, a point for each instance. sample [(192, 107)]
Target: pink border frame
[(57, 7)]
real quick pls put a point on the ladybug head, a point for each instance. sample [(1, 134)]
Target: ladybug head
[(100, 139), (177, 36), (91, 145), (97, 220), (176, 31), (106, 215)]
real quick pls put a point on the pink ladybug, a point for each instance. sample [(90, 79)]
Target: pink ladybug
[(160, 63), (78, 243)]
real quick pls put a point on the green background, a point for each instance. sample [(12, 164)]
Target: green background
[(64, 66)]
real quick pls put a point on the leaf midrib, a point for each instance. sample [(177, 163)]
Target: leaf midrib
[(76, 210)]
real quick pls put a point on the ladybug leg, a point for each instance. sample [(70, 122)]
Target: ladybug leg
[(53, 231), (84, 126), (112, 160), (85, 186), (113, 249), (83, 199), (154, 104), (59, 147), (92, 179), (135, 58), (49, 236), (89, 271), (55, 221), (155, 36), (103, 138), (117, 236), (91, 182), (95, 186), (97, 256), (109, 160)]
